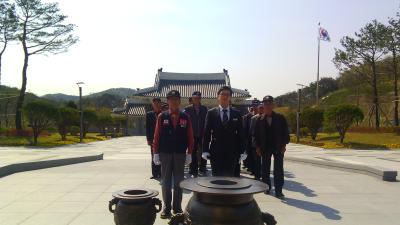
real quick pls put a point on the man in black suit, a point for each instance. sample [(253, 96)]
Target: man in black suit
[(271, 136), (151, 119), (223, 141), (197, 113)]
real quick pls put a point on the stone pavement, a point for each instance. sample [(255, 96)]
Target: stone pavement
[(78, 194), (18, 159), (385, 160)]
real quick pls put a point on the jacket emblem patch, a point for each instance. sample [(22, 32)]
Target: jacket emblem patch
[(166, 122), (183, 123)]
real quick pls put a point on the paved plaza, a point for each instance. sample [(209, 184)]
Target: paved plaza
[(78, 194)]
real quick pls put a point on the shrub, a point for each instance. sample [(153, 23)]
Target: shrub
[(66, 118), (13, 133), (396, 130), (89, 118), (341, 117), (313, 120), (304, 131), (74, 130), (41, 115)]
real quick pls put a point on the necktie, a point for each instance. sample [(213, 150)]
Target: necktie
[(225, 116)]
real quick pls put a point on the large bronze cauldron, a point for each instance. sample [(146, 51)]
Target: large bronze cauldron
[(224, 201), (135, 207)]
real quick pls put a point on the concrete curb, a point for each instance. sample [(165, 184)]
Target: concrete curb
[(28, 166), (379, 172)]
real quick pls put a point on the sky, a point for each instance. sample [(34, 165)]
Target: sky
[(267, 46)]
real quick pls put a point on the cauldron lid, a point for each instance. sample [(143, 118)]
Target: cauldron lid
[(224, 185), (135, 194)]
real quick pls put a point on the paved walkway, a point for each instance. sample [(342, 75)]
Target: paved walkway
[(388, 159), (79, 194)]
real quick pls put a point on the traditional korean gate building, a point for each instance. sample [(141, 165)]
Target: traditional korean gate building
[(137, 105)]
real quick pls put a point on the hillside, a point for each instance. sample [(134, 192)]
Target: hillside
[(118, 92), (59, 97)]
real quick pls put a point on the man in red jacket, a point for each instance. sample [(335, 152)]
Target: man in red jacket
[(172, 148)]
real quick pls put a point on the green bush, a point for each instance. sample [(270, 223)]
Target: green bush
[(41, 115), (67, 117), (74, 130), (313, 120), (89, 118), (396, 130), (304, 131), (341, 117)]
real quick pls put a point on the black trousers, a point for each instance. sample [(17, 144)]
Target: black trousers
[(224, 164), (197, 162), (256, 165), (237, 169), (155, 170), (278, 170), (250, 163)]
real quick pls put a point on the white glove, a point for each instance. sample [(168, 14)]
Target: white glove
[(243, 157), (156, 159), (188, 159), (205, 155)]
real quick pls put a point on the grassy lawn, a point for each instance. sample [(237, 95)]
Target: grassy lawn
[(354, 140), (51, 140)]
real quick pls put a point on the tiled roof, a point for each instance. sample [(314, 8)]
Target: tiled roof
[(136, 110), (186, 83)]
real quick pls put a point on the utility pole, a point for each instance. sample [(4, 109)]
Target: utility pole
[(81, 112), (127, 117), (317, 89), (298, 112)]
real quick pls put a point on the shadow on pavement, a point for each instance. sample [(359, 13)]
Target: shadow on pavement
[(328, 212), (295, 186), (289, 175)]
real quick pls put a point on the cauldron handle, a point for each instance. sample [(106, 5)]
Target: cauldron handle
[(268, 219), (111, 203), (158, 203)]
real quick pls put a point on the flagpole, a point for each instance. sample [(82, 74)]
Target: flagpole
[(317, 88)]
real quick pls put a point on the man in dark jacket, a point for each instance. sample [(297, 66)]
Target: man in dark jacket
[(223, 141), (172, 148), (151, 118), (271, 136), (249, 162), (257, 159), (197, 113)]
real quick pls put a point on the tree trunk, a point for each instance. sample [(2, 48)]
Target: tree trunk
[(342, 134), (6, 112), (35, 136), (375, 97), (20, 100), (313, 136), (396, 94), (1, 55), (85, 130)]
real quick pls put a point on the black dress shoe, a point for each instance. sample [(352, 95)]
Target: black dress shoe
[(153, 177), (280, 195), (177, 211), (165, 214), (268, 191)]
